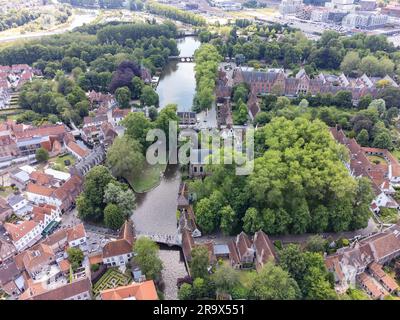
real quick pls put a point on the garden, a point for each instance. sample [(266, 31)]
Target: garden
[(111, 279)]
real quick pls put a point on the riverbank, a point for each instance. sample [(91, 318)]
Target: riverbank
[(148, 179)]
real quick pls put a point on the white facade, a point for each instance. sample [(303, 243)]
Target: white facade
[(290, 6), (119, 260), (29, 239), (364, 21), (342, 5), (20, 204), (40, 199), (77, 242), (319, 15)]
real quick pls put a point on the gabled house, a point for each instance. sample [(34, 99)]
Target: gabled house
[(23, 234), (72, 237), (350, 262), (135, 291), (265, 250), (119, 252), (241, 252), (79, 289)]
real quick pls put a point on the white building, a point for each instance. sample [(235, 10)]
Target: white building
[(290, 6), (41, 195), (319, 15), (119, 252), (341, 5), (360, 20), (23, 234)]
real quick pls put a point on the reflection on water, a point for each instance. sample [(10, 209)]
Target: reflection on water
[(187, 46), (156, 209), (177, 82)]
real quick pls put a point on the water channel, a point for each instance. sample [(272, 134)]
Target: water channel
[(177, 82), (156, 209)]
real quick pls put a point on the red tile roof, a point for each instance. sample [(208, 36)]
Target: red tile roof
[(135, 291), (18, 231)]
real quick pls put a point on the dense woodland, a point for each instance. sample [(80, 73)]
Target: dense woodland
[(175, 14), (16, 19), (355, 55), (80, 62)]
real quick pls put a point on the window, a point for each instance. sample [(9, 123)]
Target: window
[(194, 169)]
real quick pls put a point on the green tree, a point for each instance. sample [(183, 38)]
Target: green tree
[(273, 283), (123, 96), (228, 220), (240, 114), (75, 257), (199, 263), (251, 221), (137, 126), (350, 63), (124, 198), (185, 292), (125, 158), (42, 155), (363, 138), (316, 243), (113, 216), (383, 140), (226, 278), (90, 202), (149, 97), (137, 87), (147, 258)]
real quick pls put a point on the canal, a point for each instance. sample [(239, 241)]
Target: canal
[(156, 209), (177, 81)]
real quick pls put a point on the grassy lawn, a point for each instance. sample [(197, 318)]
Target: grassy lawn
[(389, 215), (58, 162), (377, 160), (111, 279), (148, 178), (5, 192), (396, 153)]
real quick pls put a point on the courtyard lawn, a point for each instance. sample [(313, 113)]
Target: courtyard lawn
[(58, 162), (377, 160), (111, 279), (149, 178), (5, 192), (389, 215), (396, 153)]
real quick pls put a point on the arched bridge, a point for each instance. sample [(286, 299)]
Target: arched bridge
[(168, 239), (181, 59)]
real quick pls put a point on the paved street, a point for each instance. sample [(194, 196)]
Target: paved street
[(207, 118), (97, 237)]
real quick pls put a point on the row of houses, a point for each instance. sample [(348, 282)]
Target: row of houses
[(104, 125), (384, 176), (361, 264), (12, 78), (19, 142), (242, 253), (277, 81), (43, 272)]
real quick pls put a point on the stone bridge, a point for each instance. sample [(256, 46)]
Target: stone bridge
[(181, 59), (168, 239)]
